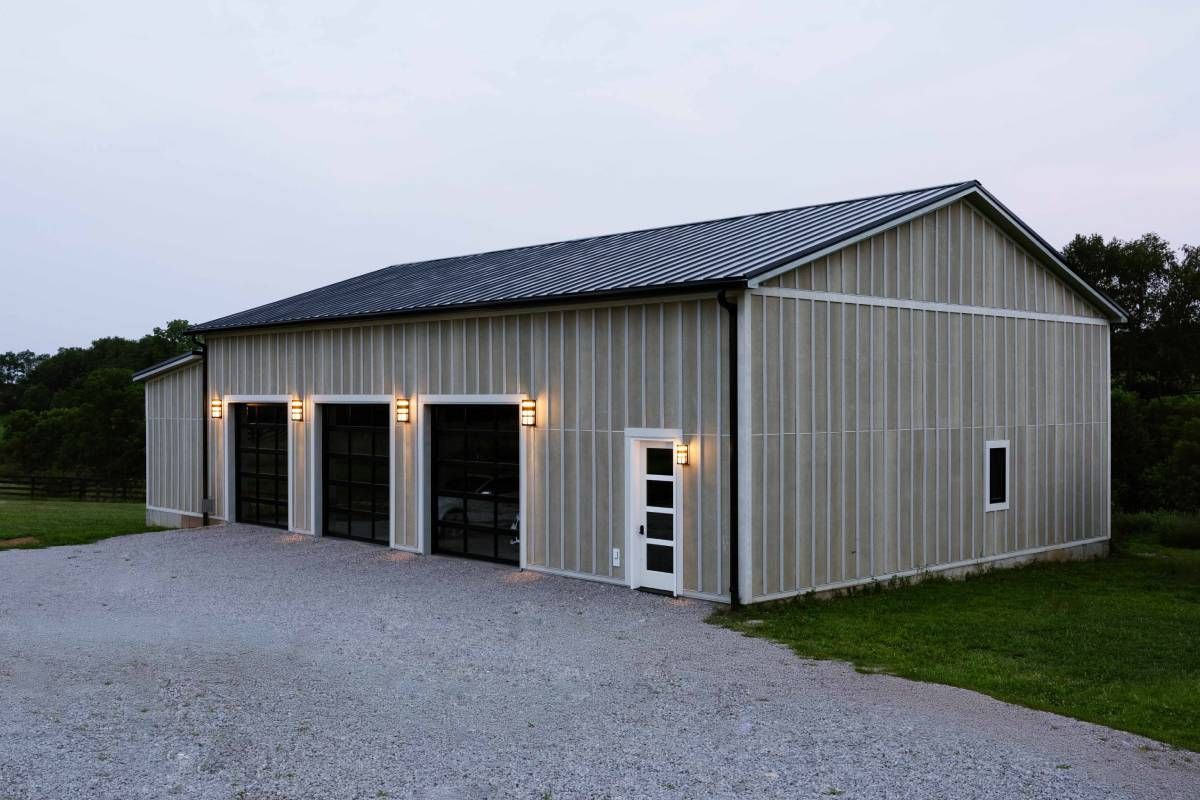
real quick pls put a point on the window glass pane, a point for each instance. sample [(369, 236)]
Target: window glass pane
[(481, 512), (481, 544), (508, 516), (452, 509), (659, 461), (268, 437), (360, 442), (338, 442), (660, 493), (997, 477), (660, 558), (660, 526), (508, 547), (450, 539)]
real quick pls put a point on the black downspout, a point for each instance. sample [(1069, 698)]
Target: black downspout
[(204, 415), (731, 309)]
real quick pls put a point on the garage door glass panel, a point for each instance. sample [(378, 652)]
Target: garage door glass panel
[(356, 470), (476, 485), (260, 463)]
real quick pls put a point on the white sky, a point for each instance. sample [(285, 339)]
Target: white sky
[(169, 159)]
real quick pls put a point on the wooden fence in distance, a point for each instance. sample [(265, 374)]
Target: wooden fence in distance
[(114, 490)]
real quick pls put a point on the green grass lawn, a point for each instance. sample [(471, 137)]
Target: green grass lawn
[(1114, 641), (45, 523)]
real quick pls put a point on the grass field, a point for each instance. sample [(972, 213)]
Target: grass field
[(1114, 641), (45, 523)]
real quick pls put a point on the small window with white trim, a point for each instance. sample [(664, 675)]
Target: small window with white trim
[(995, 475)]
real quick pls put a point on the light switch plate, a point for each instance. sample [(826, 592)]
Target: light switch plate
[(616, 556)]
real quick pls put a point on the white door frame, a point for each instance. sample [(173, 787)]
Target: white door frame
[(315, 489), (424, 444), (635, 555), (228, 443)]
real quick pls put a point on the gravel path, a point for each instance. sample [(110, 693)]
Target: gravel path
[(239, 662)]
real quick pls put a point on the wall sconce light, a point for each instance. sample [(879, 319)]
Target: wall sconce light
[(681, 453), (528, 412), (297, 410), (403, 409), (214, 408)]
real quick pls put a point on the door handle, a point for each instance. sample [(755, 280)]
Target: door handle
[(641, 530)]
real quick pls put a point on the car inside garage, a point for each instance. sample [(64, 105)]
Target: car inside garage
[(475, 463)]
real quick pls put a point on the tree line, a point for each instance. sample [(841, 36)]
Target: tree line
[(77, 412)]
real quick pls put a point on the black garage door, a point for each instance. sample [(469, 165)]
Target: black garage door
[(476, 482), (356, 470), (260, 461)]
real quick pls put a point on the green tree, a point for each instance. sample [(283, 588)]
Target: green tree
[(1155, 352)]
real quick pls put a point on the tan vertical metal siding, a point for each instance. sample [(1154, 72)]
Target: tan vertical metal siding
[(174, 414), (594, 371), (868, 437), (919, 260)]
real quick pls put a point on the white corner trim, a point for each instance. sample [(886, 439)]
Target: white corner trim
[(923, 305)]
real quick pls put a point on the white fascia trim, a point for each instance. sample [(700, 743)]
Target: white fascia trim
[(973, 192), (922, 305), (182, 361), (970, 562)]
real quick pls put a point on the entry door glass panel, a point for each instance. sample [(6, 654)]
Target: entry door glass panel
[(476, 481), (356, 469), (655, 516), (260, 461)]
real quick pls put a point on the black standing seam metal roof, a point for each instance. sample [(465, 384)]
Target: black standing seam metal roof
[(721, 252)]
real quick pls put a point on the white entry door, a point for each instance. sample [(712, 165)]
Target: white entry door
[(654, 517)]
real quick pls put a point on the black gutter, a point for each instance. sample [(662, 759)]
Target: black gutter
[(731, 309), (204, 416)]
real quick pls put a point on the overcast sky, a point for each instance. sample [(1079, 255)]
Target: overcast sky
[(164, 160)]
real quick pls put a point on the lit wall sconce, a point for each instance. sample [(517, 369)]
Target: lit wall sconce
[(403, 409), (528, 412), (297, 411), (214, 408), (681, 453)]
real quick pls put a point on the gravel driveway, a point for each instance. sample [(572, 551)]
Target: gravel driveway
[(240, 662)]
